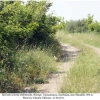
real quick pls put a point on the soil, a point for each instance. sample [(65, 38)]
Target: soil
[(55, 81)]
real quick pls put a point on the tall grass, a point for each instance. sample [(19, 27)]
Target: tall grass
[(36, 62), (84, 77), (77, 38), (30, 67)]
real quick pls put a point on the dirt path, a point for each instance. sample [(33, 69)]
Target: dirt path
[(55, 81), (97, 50)]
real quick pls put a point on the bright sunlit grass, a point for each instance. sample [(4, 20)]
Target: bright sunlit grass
[(77, 38), (84, 77)]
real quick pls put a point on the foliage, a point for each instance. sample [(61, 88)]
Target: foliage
[(10, 83), (25, 27), (25, 23), (94, 27), (72, 26), (35, 64), (62, 24), (79, 26), (28, 67), (89, 19)]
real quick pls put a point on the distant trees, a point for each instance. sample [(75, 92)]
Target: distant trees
[(81, 26), (76, 26), (93, 26)]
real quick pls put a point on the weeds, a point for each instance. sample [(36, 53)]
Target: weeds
[(84, 77), (37, 63), (29, 67)]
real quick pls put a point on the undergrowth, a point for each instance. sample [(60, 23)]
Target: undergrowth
[(26, 67)]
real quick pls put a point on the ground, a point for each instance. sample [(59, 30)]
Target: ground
[(55, 81)]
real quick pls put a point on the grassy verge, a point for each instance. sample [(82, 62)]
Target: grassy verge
[(84, 77), (37, 63), (29, 67), (78, 38)]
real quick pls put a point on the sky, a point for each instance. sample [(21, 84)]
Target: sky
[(76, 9)]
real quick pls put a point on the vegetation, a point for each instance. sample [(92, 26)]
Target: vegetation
[(78, 39), (85, 25), (84, 77), (29, 66), (27, 44)]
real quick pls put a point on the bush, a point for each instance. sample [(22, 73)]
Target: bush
[(35, 63), (78, 26), (30, 67), (10, 83), (23, 27)]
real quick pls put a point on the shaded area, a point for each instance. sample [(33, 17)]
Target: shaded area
[(68, 53)]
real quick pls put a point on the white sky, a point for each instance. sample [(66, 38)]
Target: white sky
[(76, 9)]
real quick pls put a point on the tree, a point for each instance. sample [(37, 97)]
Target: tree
[(77, 26), (89, 22), (25, 25), (62, 23), (94, 27)]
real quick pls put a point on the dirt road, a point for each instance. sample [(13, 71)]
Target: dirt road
[(55, 81)]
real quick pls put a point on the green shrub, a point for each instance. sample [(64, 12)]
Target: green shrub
[(10, 83), (29, 67), (35, 63), (22, 28)]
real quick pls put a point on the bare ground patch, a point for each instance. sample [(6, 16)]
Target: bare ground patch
[(55, 81)]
